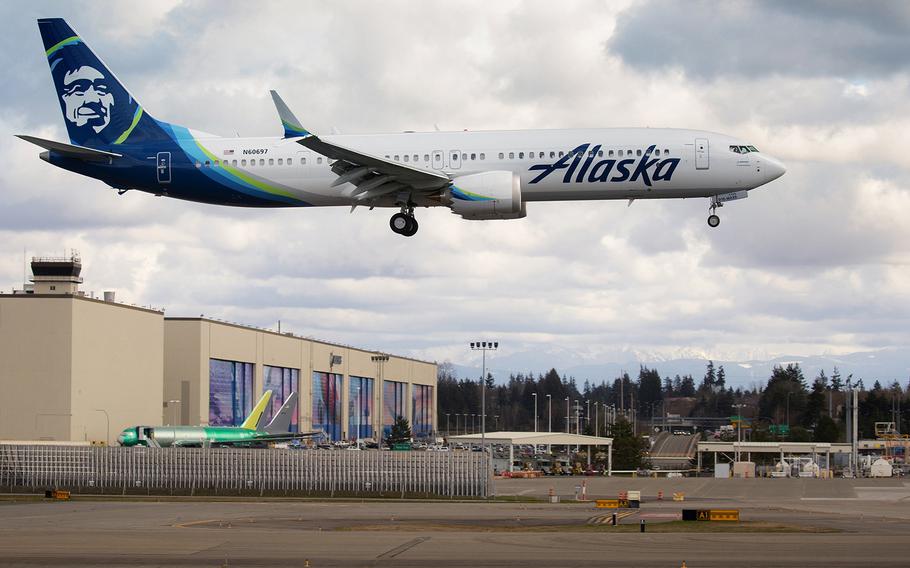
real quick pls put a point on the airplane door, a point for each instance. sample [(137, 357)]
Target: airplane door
[(164, 167), (438, 161), (701, 154), (455, 162)]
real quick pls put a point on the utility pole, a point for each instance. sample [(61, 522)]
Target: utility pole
[(535, 411)]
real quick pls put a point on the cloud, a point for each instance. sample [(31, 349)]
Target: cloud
[(815, 262), (747, 38)]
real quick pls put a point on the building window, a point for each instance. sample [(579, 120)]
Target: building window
[(282, 382), (327, 404), (393, 404), (421, 410), (360, 408), (230, 392)]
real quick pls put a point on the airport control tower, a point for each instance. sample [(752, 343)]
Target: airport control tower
[(57, 275)]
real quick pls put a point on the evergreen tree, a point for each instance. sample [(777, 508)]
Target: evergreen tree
[(687, 386), (628, 449), (649, 390), (710, 378), (815, 402), (826, 430), (401, 431), (721, 378), (837, 384)]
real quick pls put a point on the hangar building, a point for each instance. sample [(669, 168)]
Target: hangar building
[(76, 368)]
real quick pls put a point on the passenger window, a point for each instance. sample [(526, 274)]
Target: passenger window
[(262, 161), (426, 157), (473, 156), (280, 161), (531, 155), (302, 161), (600, 153), (511, 155), (638, 152), (464, 157), (208, 163), (406, 158), (233, 162), (501, 155), (560, 154), (396, 157), (619, 153), (552, 154), (521, 155), (454, 157), (319, 160), (271, 161), (242, 162), (217, 162), (610, 153), (483, 156), (386, 156)]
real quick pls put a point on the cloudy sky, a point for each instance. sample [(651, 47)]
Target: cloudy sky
[(816, 262)]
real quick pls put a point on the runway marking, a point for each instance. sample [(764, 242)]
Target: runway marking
[(404, 547), (608, 519)]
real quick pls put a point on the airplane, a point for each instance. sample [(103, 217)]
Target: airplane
[(479, 175), (247, 434)]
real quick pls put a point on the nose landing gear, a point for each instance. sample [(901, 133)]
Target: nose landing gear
[(713, 219), (404, 223)]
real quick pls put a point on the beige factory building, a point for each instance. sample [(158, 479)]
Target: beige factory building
[(76, 368)]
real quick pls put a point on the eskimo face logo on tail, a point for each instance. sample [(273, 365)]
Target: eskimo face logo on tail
[(87, 98), (580, 163)]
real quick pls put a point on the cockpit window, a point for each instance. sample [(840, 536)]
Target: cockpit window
[(743, 149)]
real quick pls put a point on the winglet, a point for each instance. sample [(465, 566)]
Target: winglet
[(252, 421), (281, 423), (292, 127)]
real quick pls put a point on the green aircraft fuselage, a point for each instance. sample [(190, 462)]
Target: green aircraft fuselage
[(166, 436)]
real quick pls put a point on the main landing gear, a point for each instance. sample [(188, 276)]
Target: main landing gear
[(404, 223), (713, 219)]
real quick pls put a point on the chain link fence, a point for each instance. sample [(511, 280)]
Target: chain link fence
[(246, 472)]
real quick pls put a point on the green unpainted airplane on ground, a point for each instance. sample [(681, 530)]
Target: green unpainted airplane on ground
[(247, 434)]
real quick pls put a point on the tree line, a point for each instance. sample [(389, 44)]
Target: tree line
[(813, 410)]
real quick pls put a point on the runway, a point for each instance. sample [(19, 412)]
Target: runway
[(868, 524)]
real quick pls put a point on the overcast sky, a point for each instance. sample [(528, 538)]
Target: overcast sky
[(816, 262)]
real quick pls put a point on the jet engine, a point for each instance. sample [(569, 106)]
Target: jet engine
[(487, 195)]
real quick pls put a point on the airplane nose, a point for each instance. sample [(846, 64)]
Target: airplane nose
[(772, 168)]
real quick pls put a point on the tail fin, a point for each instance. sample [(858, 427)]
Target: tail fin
[(281, 423), (98, 110), (252, 421)]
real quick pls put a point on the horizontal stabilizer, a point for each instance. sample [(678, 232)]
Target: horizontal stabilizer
[(71, 150), (281, 422)]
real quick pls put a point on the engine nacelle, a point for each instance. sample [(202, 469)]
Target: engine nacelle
[(487, 195)]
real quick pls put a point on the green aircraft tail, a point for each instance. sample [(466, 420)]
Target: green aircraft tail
[(252, 421)]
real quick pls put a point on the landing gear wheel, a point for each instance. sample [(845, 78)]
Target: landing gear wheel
[(399, 223), (412, 227), (403, 224), (713, 220)]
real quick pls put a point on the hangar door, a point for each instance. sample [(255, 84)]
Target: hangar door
[(701, 153)]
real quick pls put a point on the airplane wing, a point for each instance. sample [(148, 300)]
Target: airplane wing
[(373, 176), (71, 150)]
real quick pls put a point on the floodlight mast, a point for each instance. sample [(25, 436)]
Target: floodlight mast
[(483, 347)]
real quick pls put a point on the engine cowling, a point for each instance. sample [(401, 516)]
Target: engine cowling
[(487, 195)]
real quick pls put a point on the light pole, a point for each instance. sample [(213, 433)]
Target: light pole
[(483, 347), (739, 428), (549, 419), (568, 412), (587, 411), (448, 432), (534, 394), (380, 359), (107, 418), (596, 419)]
